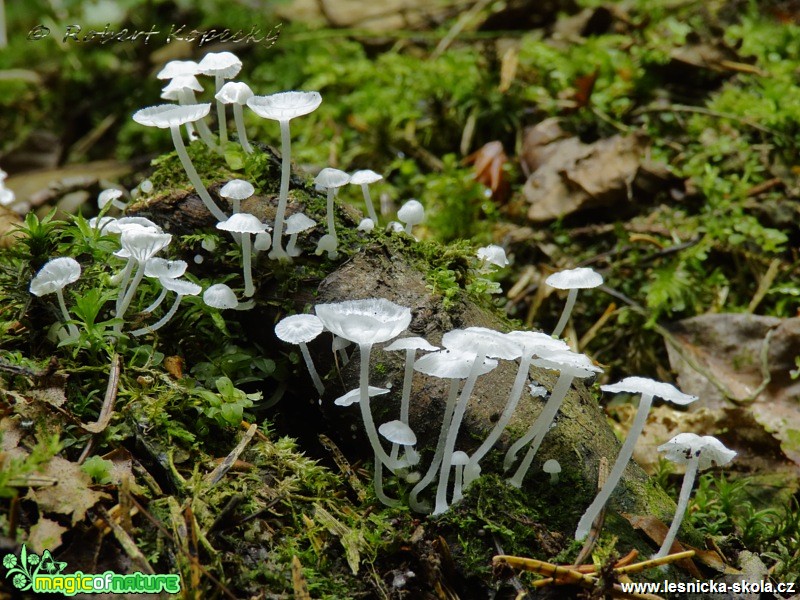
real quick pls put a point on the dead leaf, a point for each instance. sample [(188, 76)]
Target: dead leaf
[(656, 530), (45, 535), (71, 495), (299, 582), (489, 160), (52, 391), (174, 366)]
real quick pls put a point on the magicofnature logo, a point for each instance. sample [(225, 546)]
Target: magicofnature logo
[(43, 574)]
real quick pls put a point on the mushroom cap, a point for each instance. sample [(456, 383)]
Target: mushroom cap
[(493, 255), (162, 268), (353, 396), (7, 196), (577, 365), (298, 329), (237, 189), (327, 243), (172, 90), (54, 275), (369, 321), (104, 223), (284, 106), (411, 212), (107, 196), (537, 391), (451, 364), (572, 279), (398, 432), (176, 68), (226, 64), (643, 385), (707, 449), (134, 222), (537, 343), (298, 222), (331, 178), (459, 458), (142, 243), (365, 177), (234, 92), (262, 241), (488, 341), (366, 224), (164, 116), (182, 287), (220, 296), (242, 223), (411, 343), (551, 466)]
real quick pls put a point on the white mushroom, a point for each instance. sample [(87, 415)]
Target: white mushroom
[(648, 388), (552, 467), (572, 280), (182, 288), (353, 396), (222, 65), (54, 276), (459, 460), (112, 196), (296, 224), (492, 256), (237, 94), (363, 178), (181, 89), (283, 107), (237, 190), (411, 213), (330, 180), (246, 225), (366, 225), (697, 453), (301, 329)]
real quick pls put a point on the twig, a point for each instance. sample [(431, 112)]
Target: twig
[(458, 27), (708, 113), (127, 543), (108, 402), (597, 525), (764, 285), (219, 472)]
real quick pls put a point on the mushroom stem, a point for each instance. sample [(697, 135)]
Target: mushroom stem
[(472, 465), (452, 433), (157, 302), (238, 117), (291, 247), (378, 484), (562, 322), (311, 370), (331, 221), (624, 456), (683, 502), (457, 493), (249, 288), (162, 321), (123, 284), (71, 327), (539, 429), (283, 198), (222, 124), (452, 396), (191, 173), (368, 201), (405, 400), (129, 293)]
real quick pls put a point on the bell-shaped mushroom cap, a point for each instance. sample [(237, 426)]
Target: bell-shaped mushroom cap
[(142, 243), (107, 196), (298, 222), (284, 106), (134, 222), (480, 339), (237, 189), (369, 321), (451, 364), (459, 458), (176, 68), (398, 432), (262, 241), (298, 329), (54, 275), (577, 365), (537, 343), (162, 268), (365, 176), (411, 343), (708, 450), (226, 64), (571, 279), (242, 223), (493, 255), (220, 296), (353, 396), (104, 224), (331, 178), (234, 92), (551, 466), (643, 385), (164, 116), (182, 287), (366, 224), (172, 91), (411, 212)]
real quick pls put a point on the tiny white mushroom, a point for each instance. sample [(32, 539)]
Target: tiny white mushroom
[(411, 213), (163, 269), (363, 178), (181, 89), (697, 453), (553, 468), (262, 242), (222, 65), (330, 180), (246, 225), (327, 243), (220, 296), (296, 224), (492, 256), (366, 225), (182, 288), (237, 94), (459, 461), (112, 196), (237, 190), (572, 280), (54, 276), (301, 329), (353, 396)]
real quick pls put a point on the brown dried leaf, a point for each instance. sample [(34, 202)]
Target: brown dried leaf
[(45, 535), (489, 160), (52, 391), (656, 530), (71, 495), (174, 366)]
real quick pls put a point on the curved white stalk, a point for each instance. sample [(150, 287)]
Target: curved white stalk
[(129, 293), (368, 201), (222, 121), (405, 400), (71, 327), (683, 503), (238, 117), (157, 302), (562, 322), (311, 369), (249, 288), (624, 456), (194, 178), (378, 484), (162, 321), (283, 197)]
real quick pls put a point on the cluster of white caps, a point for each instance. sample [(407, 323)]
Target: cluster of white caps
[(464, 356)]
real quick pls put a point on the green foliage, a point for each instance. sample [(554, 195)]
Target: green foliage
[(98, 468), (226, 407), (15, 471)]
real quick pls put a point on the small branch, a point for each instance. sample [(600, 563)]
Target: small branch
[(212, 478)]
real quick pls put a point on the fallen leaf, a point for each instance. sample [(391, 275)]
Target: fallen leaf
[(174, 366), (488, 163), (52, 391), (71, 495), (45, 535), (656, 530), (299, 582)]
